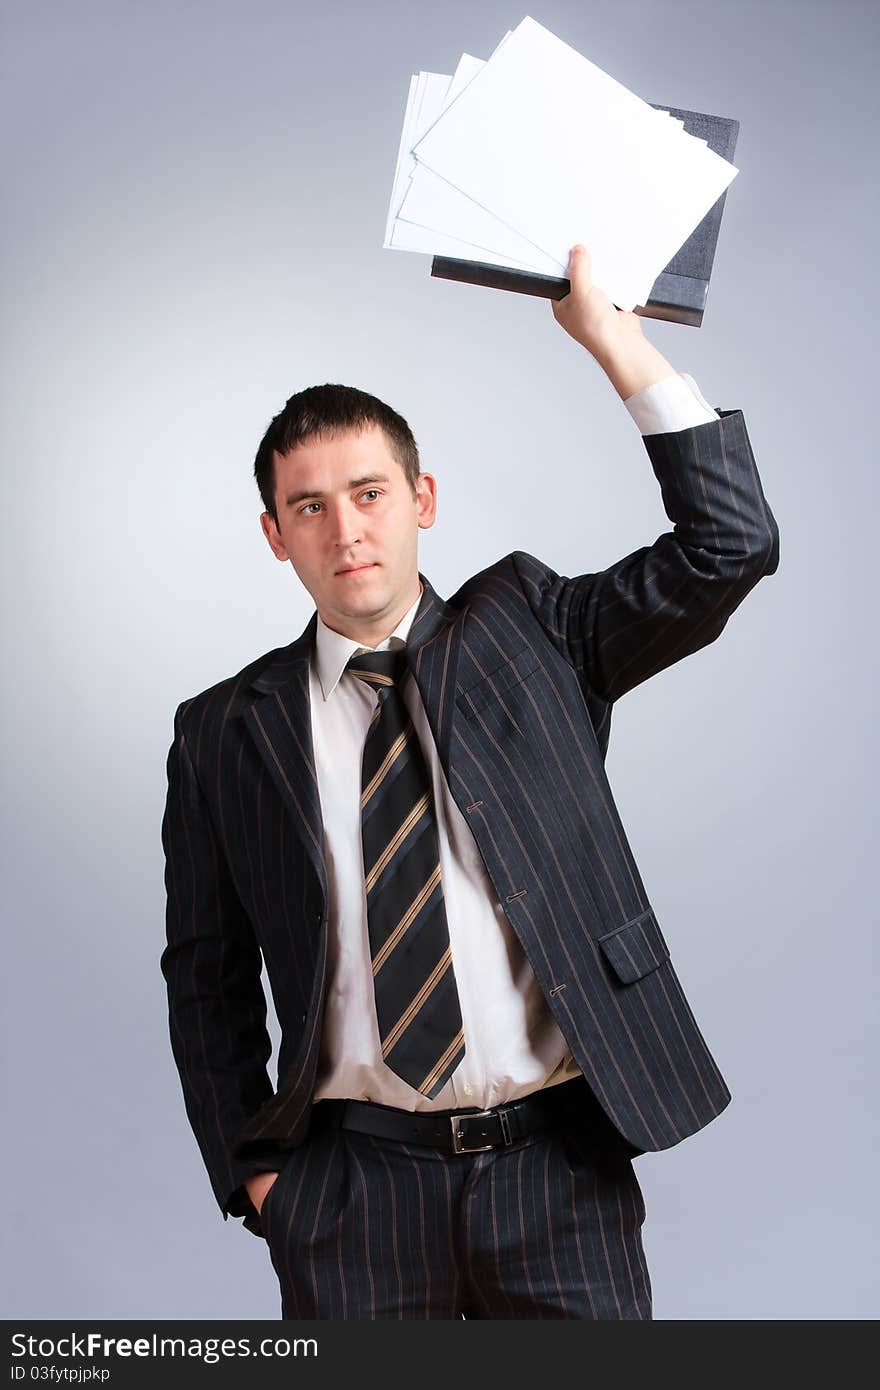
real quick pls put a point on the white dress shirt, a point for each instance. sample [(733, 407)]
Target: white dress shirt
[(512, 1042)]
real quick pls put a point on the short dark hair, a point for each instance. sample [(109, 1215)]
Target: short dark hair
[(331, 409)]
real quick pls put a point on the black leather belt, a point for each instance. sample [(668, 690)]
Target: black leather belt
[(455, 1131)]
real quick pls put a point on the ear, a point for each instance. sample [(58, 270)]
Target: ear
[(273, 536), (426, 500)]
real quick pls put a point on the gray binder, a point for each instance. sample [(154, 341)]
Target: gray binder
[(679, 292)]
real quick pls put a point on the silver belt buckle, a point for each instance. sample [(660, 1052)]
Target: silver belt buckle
[(460, 1148)]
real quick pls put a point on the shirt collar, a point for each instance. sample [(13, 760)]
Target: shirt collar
[(333, 651)]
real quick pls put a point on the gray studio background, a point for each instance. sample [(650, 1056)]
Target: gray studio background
[(195, 202)]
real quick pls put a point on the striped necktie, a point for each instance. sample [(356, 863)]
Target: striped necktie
[(417, 1004)]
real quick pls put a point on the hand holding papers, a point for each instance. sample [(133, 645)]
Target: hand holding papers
[(510, 162), (586, 313), (612, 336)]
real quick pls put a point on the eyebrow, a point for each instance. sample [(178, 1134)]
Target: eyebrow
[(302, 496)]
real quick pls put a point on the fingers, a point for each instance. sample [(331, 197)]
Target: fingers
[(579, 274), (580, 265)]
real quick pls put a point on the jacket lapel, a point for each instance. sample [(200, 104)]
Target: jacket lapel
[(280, 723), (433, 647)]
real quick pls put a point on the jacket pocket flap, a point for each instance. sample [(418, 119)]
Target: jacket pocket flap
[(636, 948), (492, 686)]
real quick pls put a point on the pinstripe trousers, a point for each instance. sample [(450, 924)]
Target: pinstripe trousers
[(549, 1227)]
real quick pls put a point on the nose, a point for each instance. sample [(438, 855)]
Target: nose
[(345, 524)]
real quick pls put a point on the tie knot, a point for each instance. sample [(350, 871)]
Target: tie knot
[(379, 669)]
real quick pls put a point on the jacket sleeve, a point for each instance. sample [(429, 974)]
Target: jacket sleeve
[(623, 624), (212, 965)]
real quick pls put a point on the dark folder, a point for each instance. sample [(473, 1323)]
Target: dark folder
[(679, 292)]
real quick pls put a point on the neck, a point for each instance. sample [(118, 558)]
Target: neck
[(370, 632)]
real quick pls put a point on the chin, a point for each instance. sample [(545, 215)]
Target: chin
[(367, 599)]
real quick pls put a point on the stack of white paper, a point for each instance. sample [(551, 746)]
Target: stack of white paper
[(514, 160)]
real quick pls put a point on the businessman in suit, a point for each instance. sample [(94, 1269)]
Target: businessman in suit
[(404, 813)]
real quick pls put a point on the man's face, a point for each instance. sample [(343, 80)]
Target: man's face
[(348, 523)]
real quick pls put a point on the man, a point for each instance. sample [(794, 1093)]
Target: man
[(405, 814)]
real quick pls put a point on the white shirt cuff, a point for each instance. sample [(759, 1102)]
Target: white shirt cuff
[(675, 403)]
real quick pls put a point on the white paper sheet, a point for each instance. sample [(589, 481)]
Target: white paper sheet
[(434, 205), (557, 149), (426, 100), (522, 156)]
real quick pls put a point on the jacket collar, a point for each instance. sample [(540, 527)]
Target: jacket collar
[(333, 650), (431, 616)]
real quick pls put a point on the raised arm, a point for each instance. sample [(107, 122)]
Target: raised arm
[(623, 624)]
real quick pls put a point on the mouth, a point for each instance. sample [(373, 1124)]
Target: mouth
[(357, 569)]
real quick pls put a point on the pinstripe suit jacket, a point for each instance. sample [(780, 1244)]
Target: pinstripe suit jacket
[(518, 673)]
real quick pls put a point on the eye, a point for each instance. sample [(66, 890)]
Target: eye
[(374, 490), (305, 509)]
